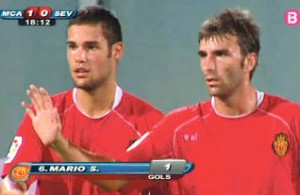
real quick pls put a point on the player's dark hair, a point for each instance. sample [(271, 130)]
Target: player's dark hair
[(234, 22), (96, 14)]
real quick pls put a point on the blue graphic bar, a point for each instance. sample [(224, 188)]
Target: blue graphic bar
[(160, 167), (98, 168)]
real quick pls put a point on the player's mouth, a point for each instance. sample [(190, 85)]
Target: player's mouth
[(81, 72), (211, 82)]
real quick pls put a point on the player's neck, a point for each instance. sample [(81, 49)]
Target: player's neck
[(241, 102), (97, 102)]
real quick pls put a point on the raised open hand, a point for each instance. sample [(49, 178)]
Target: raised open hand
[(44, 116)]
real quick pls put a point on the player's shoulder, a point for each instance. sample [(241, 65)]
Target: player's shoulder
[(133, 102), (63, 99), (186, 113), (278, 103), (280, 107), (198, 108), (62, 96)]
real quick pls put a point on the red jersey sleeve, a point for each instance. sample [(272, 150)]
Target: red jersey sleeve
[(152, 145), (297, 127), (159, 143), (26, 147)]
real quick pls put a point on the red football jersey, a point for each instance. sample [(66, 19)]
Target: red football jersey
[(107, 135), (256, 153)]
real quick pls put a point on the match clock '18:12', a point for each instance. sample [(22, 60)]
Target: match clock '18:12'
[(37, 22)]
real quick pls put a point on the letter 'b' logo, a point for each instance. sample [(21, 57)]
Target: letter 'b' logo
[(292, 17)]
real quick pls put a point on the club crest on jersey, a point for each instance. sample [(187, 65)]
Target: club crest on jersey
[(281, 144), (15, 145)]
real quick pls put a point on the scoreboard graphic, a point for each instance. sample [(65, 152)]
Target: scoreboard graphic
[(155, 170), (37, 16)]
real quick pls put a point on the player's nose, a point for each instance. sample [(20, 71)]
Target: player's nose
[(209, 63), (80, 55)]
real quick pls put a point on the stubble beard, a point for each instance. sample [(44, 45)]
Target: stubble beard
[(225, 89), (89, 85)]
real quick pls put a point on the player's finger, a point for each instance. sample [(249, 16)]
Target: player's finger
[(28, 110), (30, 94), (47, 102), (36, 97), (57, 118), (32, 99)]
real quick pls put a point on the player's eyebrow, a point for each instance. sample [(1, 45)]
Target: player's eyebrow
[(87, 42), (71, 43), (91, 43), (221, 51), (217, 52)]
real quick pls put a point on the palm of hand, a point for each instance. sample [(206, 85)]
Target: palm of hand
[(45, 118)]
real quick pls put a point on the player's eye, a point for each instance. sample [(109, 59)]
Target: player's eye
[(92, 46), (72, 46), (221, 53), (202, 54)]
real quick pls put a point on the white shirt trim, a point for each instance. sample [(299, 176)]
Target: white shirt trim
[(117, 100), (259, 97), (138, 142)]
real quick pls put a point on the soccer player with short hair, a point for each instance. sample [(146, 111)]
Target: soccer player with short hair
[(96, 115), (242, 140)]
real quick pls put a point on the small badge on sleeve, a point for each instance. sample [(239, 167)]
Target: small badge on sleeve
[(15, 145), (281, 144)]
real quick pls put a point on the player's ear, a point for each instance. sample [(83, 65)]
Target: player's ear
[(118, 50), (250, 61)]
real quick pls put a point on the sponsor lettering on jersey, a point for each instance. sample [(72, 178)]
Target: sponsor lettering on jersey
[(191, 137)]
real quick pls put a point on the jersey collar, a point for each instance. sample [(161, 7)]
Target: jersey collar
[(117, 100), (259, 97)]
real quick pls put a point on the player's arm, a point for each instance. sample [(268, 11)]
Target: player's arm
[(25, 147), (8, 187), (47, 124), (70, 152)]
